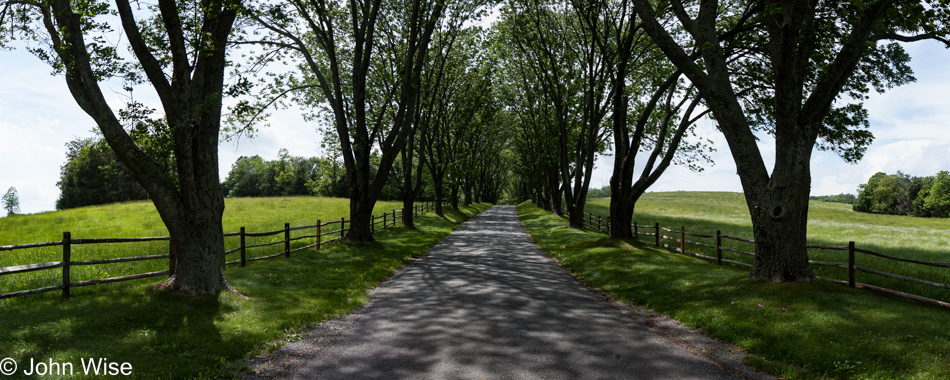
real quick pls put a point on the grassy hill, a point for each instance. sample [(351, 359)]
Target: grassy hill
[(140, 219), (828, 223)]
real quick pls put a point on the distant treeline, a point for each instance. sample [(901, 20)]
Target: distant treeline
[(840, 198), (291, 175), (93, 175), (603, 192), (901, 194)]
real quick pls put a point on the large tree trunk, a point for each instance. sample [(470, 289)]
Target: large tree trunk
[(199, 250), (361, 214), (575, 217), (408, 201), (779, 214), (621, 212)]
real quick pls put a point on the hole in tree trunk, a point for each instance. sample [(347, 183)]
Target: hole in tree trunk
[(778, 212)]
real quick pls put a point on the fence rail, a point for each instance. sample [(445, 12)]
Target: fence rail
[(386, 220), (597, 223)]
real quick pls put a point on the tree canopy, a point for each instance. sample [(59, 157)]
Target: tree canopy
[(416, 99)]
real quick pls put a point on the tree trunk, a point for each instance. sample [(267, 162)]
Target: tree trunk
[(556, 204), (621, 212), (467, 191), (439, 195), (199, 249), (361, 214), (408, 201), (455, 197), (576, 219), (779, 223)]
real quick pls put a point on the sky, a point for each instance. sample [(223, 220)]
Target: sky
[(38, 117)]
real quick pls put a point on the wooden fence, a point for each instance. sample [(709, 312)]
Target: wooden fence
[(660, 239), (320, 231)]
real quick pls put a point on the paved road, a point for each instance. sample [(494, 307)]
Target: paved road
[(486, 303)]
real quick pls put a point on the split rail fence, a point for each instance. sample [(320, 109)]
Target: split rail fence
[(321, 230), (660, 239)]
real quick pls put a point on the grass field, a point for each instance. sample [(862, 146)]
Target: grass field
[(828, 223), (139, 219), (817, 330), (167, 335)]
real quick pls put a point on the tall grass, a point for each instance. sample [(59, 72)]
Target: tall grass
[(828, 223), (140, 219)]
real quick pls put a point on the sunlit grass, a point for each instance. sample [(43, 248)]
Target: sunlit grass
[(794, 330), (925, 239), (139, 219), (167, 335)]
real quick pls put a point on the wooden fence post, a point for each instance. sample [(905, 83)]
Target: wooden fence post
[(286, 239), (319, 235), (243, 248), (67, 248), (173, 257), (657, 235), (394, 217), (851, 264), (600, 223), (683, 239), (342, 226), (719, 247)]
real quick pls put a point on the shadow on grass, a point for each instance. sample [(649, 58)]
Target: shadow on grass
[(819, 329), (169, 335), (708, 226)]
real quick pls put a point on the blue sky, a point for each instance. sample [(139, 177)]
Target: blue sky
[(38, 117)]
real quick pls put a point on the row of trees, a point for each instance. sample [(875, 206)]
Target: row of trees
[(901, 194), (363, 67), (643, 72), (550, 87), (839, 198)]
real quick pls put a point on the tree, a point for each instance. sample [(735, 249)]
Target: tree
[(427, 116), (11, 201), (936, 200), (560, 53), (179, 48), (369, 81), (797, 58), (93, 175)]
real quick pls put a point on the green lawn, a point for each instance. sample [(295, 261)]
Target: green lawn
[(167, 335), (794, 330), (828, 223), (139, 219)]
